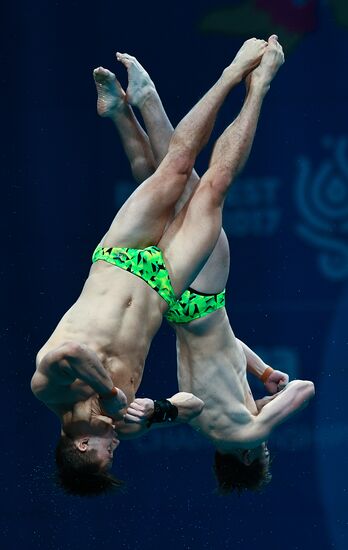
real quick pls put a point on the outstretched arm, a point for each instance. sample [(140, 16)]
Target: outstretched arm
[(59, 368), (138, 419), (274, 380)]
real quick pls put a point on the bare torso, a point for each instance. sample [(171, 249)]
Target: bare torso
[(116, 316), (212, 365)]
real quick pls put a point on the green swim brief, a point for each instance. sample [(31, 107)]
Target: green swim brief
[(146, 263), (193, 305)]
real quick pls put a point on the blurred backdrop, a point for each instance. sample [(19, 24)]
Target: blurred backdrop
[(65, 175)]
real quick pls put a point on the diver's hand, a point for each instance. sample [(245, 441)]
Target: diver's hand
[(140, 411), (276, 381), (112, 405)]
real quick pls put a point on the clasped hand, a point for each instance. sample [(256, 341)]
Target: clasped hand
[(139, 411), (111, 406), (276, 381)]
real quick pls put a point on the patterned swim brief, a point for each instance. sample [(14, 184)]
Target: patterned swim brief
[(146, 263), (194, 305)]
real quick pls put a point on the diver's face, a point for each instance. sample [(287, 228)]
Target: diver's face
[(105, 447), (261, 452)]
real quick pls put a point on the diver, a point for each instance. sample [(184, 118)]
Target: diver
[(212, 362), (91, 366)]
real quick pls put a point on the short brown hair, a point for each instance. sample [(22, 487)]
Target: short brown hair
[(233, 475), (79, 473)]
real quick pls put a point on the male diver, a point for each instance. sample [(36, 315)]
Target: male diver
[(212, 362), (91, 366)]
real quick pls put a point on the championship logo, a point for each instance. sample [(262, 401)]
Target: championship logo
[(322, 202)]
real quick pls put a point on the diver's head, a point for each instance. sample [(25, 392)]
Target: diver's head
[(102, 446), (84, 459), (242, 469)]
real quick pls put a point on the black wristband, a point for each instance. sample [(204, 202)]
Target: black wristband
[(164, 411)]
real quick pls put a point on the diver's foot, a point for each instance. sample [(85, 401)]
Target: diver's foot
[(272, 60), (248, 57), (140, 85), (111, 96)]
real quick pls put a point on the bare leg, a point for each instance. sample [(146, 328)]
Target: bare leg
[(193, 234), (112, 104), (142, 93), (193, 132), (142, 219)]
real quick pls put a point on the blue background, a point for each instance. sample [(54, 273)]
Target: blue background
[(65, 175)]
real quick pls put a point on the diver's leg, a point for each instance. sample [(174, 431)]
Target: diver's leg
[(112, 103), (192, 236), (142, 93), (142, 219)]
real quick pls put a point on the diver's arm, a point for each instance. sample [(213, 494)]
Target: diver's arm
[(274, 380), (280, 407), (260, 403), (142, 410), (255, 365), (62, 366), (139, 415)]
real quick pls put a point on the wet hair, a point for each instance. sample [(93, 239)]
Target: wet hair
[(79, 473), (234, 475)]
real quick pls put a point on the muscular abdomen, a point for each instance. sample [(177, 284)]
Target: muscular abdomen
[(116, 316), (212, 366)]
